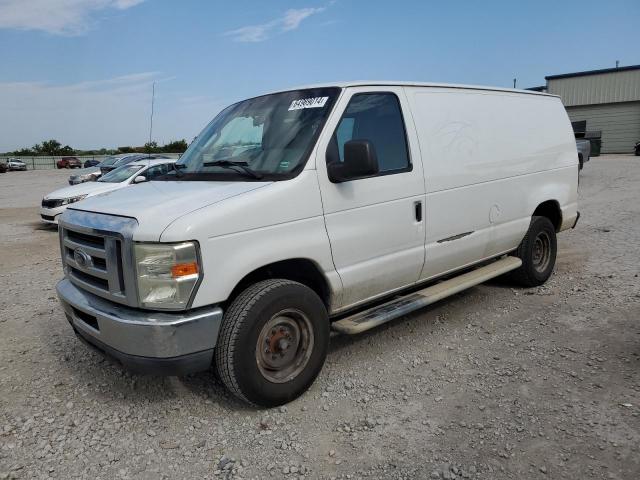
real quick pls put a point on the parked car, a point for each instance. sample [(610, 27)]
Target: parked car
[(338, 207), (111, 163), (69, 162), (583, 146), (637, 149), (85, 175), (15, 164), (92, 162), (57, 202), (3, 167)]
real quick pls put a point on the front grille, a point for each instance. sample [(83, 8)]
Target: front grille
[(52, 203), (85, 239), (49, 218), (94, 262)]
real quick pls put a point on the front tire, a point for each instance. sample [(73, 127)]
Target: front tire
[(273, 342), (537, 251)]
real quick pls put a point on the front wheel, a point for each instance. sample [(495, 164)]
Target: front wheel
[(273, 342), (537, 251)]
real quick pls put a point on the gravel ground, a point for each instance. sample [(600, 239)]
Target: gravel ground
[(493, 383)]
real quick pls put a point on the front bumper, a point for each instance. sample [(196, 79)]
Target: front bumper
[(164, 343), (50, 215)]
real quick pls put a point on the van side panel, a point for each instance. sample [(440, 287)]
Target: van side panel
[(489, 159)]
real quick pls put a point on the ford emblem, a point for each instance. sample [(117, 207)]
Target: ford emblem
[(82, 258)]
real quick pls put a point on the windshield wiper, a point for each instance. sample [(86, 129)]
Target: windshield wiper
[(177, 167), (244, 166)]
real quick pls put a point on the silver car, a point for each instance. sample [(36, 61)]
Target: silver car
[(15, 164)]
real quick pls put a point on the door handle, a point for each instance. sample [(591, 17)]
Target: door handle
[(418, 210)]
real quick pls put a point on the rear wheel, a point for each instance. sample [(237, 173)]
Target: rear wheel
[(273, 342), (537, 251), (580, 162)]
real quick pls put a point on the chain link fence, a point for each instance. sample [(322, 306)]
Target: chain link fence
[(50, 163)]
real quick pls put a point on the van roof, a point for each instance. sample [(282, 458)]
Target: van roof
[(388, 83)]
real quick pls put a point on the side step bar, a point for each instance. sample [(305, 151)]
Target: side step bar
[(398, 307)]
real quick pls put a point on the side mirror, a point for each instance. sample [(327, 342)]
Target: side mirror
[(360, 161), (140, 179)]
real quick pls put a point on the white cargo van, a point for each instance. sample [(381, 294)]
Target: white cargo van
[(334, 207)]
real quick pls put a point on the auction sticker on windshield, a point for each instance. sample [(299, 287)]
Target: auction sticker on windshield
[(316, 102)]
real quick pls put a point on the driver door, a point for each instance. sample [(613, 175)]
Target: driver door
[(375, 224)]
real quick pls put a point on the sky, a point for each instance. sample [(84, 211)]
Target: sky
[(81, 71)]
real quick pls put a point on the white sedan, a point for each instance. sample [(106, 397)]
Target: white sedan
[(57, 202)]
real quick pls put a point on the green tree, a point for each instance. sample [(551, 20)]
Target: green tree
[(66, 150), (48, 147), (23, 152), (175, 146), (151, 147)]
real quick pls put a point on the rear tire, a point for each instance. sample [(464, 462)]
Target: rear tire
[(537, 251), (273, 342)]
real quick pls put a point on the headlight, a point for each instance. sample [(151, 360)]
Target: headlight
[(167, 274), (67, 201)]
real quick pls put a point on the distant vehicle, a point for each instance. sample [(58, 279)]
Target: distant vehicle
[(69, 162), (111, 163), (57, 202), (637, 149), (85, 175), (92, 162), (584, 151), (15, 164)]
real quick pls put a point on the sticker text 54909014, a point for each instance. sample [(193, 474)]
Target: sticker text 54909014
[(316, 102)]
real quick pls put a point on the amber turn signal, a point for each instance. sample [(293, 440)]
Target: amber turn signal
[(184, 269)]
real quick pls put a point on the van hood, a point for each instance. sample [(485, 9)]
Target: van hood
[(156, 204)]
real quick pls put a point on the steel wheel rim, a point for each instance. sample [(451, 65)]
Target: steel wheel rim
[(541, 252), (284, 346)]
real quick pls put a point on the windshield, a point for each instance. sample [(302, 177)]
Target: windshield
[(263, 138), (109, 161), (120, 174)]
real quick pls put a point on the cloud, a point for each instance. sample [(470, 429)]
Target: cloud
[(291, 20), (59, 17), (108, 113)]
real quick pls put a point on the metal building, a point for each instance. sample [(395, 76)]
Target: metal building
[(608, 100)]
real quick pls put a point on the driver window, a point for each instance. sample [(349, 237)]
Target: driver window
[(375, 117)]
